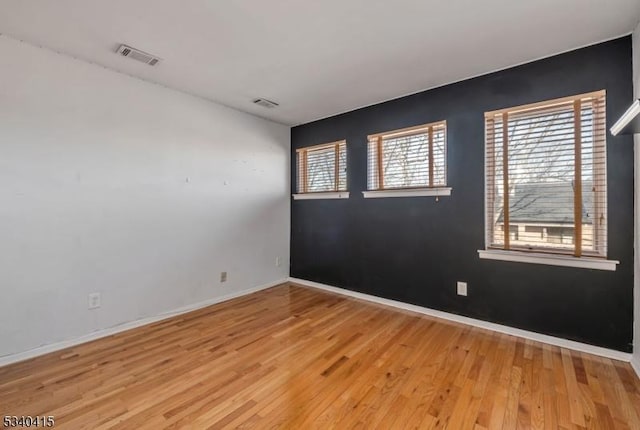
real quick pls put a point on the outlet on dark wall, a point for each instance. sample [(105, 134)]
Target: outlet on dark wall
[(414, 249)]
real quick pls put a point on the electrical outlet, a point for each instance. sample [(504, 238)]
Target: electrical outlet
[(462, 288), (223, 276), (278, 261), (94, 300)]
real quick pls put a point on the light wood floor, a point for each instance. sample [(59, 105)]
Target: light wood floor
[(292, 357)]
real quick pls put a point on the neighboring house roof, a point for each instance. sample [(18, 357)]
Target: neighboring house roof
[(548, 202)]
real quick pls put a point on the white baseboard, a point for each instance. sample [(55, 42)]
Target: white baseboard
[(635, 363), (563, 343), (45, 349)]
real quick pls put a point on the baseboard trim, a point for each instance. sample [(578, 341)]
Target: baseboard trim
[(556, 341), (635, 364), (46, 349)]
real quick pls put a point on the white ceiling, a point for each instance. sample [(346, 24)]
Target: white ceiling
[(315, 58)]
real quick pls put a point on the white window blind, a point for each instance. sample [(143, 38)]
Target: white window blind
[(408, 158), (322, 168), (546, 177)]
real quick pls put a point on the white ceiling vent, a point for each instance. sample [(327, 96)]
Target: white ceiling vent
[(265, 103), (136, 54)]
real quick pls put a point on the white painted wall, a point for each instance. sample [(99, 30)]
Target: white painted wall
[(636, 289), (114, 185)]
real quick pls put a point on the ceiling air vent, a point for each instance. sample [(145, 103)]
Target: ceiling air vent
[(136, 54), (265, 103)]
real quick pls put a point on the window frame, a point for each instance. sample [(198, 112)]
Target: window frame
[(336, 193), (414, 191), (544, 255)]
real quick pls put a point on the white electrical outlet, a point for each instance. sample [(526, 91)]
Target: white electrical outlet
[(462, 288), (223, 276), (94, 300), (278, 262)]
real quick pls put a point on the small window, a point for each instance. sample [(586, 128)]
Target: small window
[(408, 158), (513, 231), (546, 177), (323, 168), (561, 235)]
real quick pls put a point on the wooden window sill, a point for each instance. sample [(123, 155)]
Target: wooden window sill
[(549, 259), (323, 195), (408, 192)]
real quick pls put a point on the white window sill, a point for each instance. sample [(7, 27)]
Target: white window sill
[(324, 195), (408, 192), (549, 259)]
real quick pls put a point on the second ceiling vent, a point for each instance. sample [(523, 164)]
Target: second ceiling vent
[(136, 54), (265, 103)]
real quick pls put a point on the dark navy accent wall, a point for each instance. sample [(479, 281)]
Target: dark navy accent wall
[(415, 249)]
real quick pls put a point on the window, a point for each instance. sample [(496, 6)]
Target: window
[(546, 176), (408, 159), (513, 231), (561, 235), (323, 169)]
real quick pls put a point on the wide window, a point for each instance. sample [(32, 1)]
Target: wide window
[(546, 177), (408, 158), (322, 168)]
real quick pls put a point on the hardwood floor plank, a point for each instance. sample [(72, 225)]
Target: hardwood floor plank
[(295, 357)]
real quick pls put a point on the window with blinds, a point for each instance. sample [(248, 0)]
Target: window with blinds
[(546, 177), (322, 168), (409, 158)]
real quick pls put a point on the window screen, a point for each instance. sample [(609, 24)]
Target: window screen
[(322, 168), (546, 186), (409, 158)]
